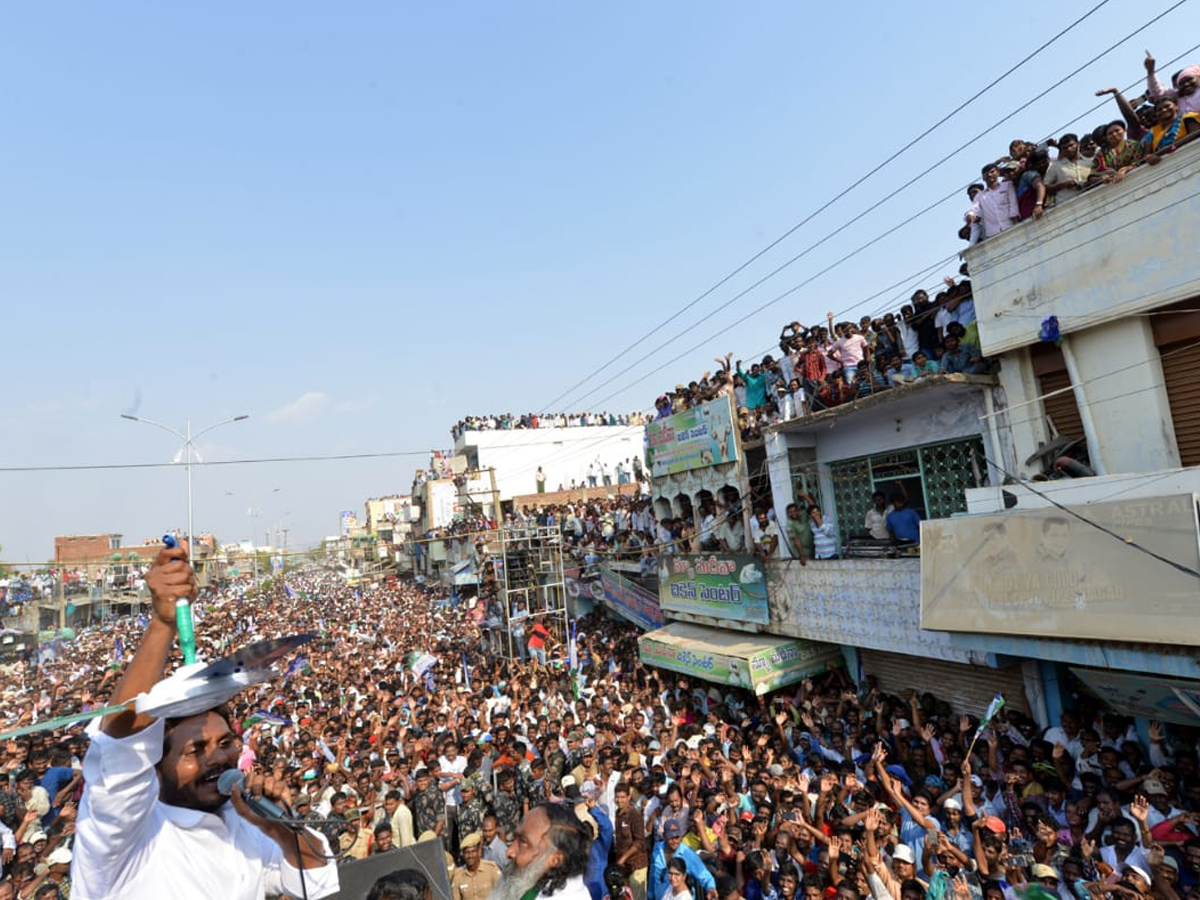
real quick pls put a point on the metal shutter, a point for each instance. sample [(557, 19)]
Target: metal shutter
[(968, 689), (1180, 364), (1061, 409)]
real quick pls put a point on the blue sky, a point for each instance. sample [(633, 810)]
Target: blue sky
[(358, 224)]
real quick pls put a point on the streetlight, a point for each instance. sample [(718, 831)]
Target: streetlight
[(189, 448)]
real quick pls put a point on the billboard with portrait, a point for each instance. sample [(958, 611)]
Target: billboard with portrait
[(1118, 570), (705, 435)]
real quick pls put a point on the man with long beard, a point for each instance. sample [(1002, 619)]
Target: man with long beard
[(547, 858)]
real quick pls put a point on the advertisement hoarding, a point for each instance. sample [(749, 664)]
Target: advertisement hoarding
[(627, 598), (1117, 570), (720, 585), (705, 435)]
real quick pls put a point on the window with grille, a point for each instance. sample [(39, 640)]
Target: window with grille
[(933, 477)]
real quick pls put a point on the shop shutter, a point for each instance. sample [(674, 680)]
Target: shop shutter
[(1061, 409), (1179, 362), (967, 688)]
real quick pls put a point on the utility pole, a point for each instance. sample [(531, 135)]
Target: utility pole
[(283, 568), (495, 496), (62, 600)]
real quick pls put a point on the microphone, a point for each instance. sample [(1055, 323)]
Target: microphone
[(261, 806)]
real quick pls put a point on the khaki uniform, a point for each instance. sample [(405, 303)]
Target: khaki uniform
[(467, 886)]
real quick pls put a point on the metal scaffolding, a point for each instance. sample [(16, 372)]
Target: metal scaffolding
[(527, 571)]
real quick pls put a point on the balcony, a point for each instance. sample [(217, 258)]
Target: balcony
[(1113, 251), (866, 603)]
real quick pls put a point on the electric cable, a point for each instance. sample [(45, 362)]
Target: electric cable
[(849, 222), (843, 193)]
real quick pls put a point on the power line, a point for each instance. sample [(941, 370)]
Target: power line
[(1104, 529), (890, 158), (847, 224)]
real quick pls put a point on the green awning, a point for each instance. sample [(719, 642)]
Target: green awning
[(757, 662)]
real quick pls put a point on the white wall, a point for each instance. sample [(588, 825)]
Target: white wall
[(1081, 491), (860, 602), (1115, 250), (563, 453)]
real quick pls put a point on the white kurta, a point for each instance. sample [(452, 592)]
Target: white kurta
[(131, 845), (574, 889)]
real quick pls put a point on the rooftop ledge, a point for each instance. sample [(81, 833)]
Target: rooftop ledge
[(1113, 251), (900, 397)]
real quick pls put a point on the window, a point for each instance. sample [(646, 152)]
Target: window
[(802, 463), (933, 477)]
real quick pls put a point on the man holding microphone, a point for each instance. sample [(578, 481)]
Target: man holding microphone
[(152, 822)]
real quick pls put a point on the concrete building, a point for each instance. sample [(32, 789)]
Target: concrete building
[(1039, 588), (565, 455)]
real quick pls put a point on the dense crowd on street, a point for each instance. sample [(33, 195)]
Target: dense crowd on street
[(829, 788)]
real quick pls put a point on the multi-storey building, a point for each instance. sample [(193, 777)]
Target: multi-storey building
[(1029, 581)]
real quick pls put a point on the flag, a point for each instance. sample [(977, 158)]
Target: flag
[(261, 715), (287, 590), (994, 707), (295, 667), (118, 649), (573, 662), (326, 752), (429, 682), (420, 663), (466, 671)]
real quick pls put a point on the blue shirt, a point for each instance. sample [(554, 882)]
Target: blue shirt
[(55, 779), (658, 885), (598, 855), (905, 524), (913, 832)]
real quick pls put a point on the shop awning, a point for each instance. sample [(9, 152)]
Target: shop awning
[(757, 662), (1149, 696)]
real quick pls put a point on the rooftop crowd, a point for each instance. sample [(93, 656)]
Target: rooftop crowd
[(826, 365), (509, 421), (827, 789), (823, 366), (1027, 182)]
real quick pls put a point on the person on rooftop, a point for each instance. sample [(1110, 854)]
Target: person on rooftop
[(996, 206), (1172, 128), (1121, 157)]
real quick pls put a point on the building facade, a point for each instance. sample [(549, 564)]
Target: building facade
[(1035, 577)]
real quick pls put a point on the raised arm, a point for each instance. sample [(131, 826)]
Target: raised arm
[(170, 578), (1128, 113)]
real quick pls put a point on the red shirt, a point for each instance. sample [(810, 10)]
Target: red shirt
[(537, 636)]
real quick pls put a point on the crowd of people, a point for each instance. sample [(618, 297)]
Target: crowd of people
[(1027, 182), (509, 421), (828, 365), (683, 789)]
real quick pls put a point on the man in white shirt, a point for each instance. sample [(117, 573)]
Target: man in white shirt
[(152, 819), (1068, 175), (8, 847), (876, 519), (996, 206)]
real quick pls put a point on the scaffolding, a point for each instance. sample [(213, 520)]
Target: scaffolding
[(527, 573)]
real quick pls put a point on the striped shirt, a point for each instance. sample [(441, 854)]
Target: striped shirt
[(824, 540)]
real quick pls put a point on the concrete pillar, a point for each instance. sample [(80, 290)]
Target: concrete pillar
[(1121, 374), (779, 471), (1024, 418)]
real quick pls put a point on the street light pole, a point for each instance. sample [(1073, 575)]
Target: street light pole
[(189, 448)]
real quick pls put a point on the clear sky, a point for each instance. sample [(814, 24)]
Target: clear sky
[(358, 223)]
